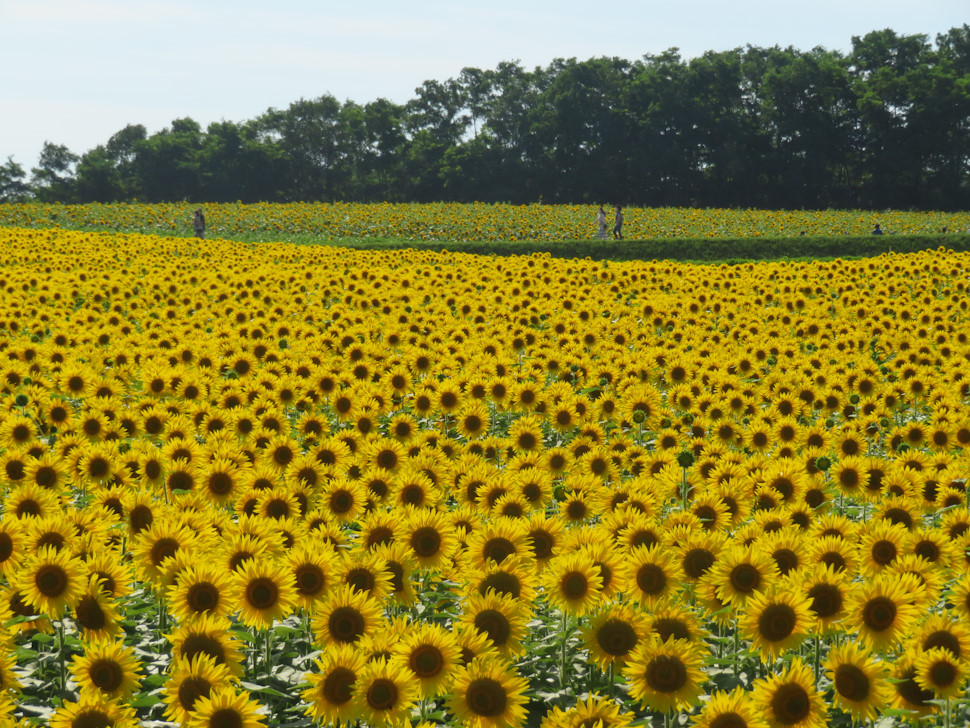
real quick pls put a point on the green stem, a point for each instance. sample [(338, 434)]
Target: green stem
[(61, 657), (268, 652), (565, 638), (818, 656)]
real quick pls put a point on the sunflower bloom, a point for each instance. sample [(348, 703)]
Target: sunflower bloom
[(330, 695), (789, 698), (107, 667), (51, 581), (489, 693), (665, 676), (224, 706), (265, 593), (860, 681)]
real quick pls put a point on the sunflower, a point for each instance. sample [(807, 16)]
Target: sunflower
[(363, 571), (96, 613), (908, 694), (592, 711), (430, 536), (776, 621), (860, 682), (28, 500), (432, 655), (525, 434), (265, 591), (789, 698), (474, 420), (219, 480), (384, 693), (742, 571), (332, 685), (51, 581), (158, 543), (882, 610), (488, 693), (47, 472), (208, 635), (729, 710), (343, 500), (202, 588), (613, 632), (412, 487), (107, 667), (665, 676), (501, 618), (898, 509), (651, 574), (93, 709), (881, 543), (224, 707), (497, 540), (932, 546), (698, 553), (573, 583), (401, 565), (345, 616), (11, 545), (514, 577), (189, 680), (312, 569), (674, 621), (937, 670), (834, 551), (243, 547), (827, 590)]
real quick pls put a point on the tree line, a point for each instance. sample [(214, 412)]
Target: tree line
[(886, 125)]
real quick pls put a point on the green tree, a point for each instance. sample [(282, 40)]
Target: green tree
[(167, 164), (52, 180), (13, 182)]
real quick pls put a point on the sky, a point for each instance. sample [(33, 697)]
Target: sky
[(74, 72)]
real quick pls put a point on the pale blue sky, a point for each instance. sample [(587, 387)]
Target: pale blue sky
[(74, 72)]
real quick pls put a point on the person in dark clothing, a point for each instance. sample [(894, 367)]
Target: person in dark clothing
[(198, 222), (618, 224), (877, 230)]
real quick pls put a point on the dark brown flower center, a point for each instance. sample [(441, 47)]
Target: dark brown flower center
[(790, 704), (851, 683), (666, 674), (879, 614), (494, 624), (777, 622), (616, 637), (486, 697), (338, 687)]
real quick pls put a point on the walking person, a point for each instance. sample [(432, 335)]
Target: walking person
[(198, 222), (618, 224), (601, 224)]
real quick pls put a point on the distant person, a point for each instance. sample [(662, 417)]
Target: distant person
[(618, 224), (601, 224), (877, 230), (198, 222)]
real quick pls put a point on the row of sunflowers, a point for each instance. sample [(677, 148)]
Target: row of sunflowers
[(269, 484), (471, 222)]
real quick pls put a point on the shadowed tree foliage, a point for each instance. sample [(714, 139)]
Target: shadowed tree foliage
[(885, 125)]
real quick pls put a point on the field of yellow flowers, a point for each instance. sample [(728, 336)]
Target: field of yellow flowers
[(470, 222), (271, 484)]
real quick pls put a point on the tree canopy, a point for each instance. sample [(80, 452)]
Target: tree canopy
[(885, 125)]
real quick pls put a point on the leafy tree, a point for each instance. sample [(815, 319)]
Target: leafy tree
[(13, 182), (53, 177), (167, 164)]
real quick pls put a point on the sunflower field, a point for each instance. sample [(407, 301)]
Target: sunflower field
[(478, 222), (280, 485)]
